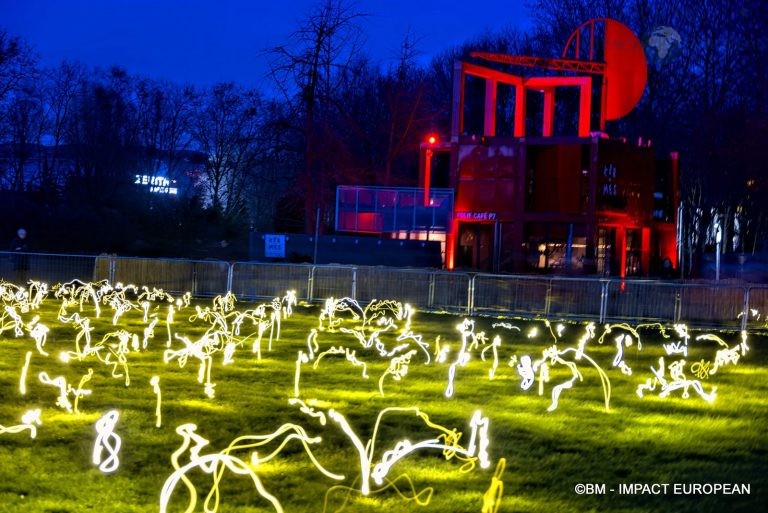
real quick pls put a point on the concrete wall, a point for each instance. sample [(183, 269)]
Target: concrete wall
[(356, 250)]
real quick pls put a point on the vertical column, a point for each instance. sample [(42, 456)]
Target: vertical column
[(489, 115), (621, 250), (548, 125), (645, 251), (519, 111), (585, 107)]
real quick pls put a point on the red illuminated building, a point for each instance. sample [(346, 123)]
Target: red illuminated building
[(537, 183)]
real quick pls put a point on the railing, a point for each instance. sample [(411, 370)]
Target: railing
[(710, 304)]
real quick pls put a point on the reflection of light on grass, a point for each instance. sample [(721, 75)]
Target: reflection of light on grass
[(203, 405)]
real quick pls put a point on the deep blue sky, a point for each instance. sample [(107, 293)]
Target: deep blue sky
[(208, 41)]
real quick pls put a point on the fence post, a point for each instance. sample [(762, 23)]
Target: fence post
[(431, 298), (230, 275), (471, 295), (112, 267), (745, 309), (548, 298), (354, 283), (678, 314), (603, 300), (311, 283), (194, 278)]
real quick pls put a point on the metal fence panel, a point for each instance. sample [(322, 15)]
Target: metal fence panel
[(333, 281), (757, 311), (266, 281), (404, 285), (51, 268), (575, 298), (176, 276), (708, 304), (511, 295), (644, 301), (450, 292), (210, 277), (711, 306)]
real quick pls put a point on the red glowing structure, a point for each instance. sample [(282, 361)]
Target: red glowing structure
[(623, 70), (533, 192)]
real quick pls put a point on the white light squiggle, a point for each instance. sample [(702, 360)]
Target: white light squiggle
[(155, 382), (30, 420), (23, 376), (107, 439)]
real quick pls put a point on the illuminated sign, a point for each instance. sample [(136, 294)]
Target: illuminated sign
[(274, 246), (157, 184), (476, 216)]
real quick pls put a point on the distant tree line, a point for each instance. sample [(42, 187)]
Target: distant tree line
[(73, 141)]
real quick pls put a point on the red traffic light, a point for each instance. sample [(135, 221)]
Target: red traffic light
[(432, 139)]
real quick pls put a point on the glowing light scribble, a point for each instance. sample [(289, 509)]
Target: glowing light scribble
[(215, 464), (526, 371), (678, 382), (59, 382), (80, 392), (305, 408), (300, 359), (15, 321), (555, 357), (23, 376), (30, 420), (398, 368), (107, 439), (201, 350), (495, 348), (492, 496), (446, 441), (39, 332), (155, 382), (469, 341)]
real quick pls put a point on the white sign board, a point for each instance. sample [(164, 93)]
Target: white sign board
[(274, 246)]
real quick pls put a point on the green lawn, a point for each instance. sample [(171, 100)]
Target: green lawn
[(650, 440)]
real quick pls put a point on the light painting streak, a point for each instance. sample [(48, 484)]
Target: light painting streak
[(215, 464), (304, 408), (348, 354), (495, 348), (155, 382), (23, 376), (398, 368), (80, 391), (526, 372), (39, 333), (30, 420), (62, 401), (492, 496), (107, 439), (301, 358)]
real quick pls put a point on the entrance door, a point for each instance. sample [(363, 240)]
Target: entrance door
[(475, 246)]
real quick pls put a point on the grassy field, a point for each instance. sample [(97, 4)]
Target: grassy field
[(536, 457)]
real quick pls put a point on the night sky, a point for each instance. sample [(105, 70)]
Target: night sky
[(204, 41)]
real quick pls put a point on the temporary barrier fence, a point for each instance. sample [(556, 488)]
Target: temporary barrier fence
[(709, 304)]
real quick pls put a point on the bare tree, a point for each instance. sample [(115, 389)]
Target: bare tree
[(225, 129), (25, 121), (306, 70), (16, 62)]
